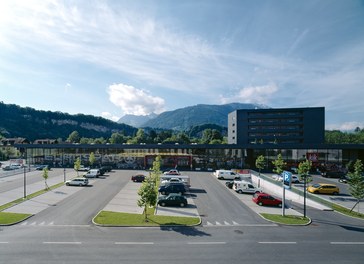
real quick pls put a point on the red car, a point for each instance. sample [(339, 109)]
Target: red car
[(266, 199)]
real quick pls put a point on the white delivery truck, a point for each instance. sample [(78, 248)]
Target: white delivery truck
[(226, 175), (245, 187)]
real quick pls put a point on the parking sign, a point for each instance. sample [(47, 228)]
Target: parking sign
[(287, 179)]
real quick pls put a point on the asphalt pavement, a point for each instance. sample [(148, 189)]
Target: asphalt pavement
[(125, 201)]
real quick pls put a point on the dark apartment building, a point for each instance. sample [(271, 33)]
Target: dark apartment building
[(277, 126)]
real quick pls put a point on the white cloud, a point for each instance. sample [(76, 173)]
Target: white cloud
[(347, 126), (108, 115), (135, 101), (253, 94)]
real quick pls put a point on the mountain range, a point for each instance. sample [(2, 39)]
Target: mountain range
[(184, 118), (34, 124)]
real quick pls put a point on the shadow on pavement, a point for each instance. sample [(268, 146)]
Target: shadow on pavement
[(187, 231)]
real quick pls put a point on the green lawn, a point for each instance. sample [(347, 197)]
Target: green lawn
[(11, 218), (287, 219), (126, 219)]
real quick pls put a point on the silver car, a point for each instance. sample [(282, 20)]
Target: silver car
[(77, 182)]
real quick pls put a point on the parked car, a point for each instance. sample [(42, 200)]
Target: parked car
[(244, 187), (229, 184), (105, 169), (172, 172), (324, 188), (294, 178), (42, 167), (172, 188), (173, 180), (226, 175), (138, 178), (77, 182), (332, 174), (344, 179), (83, 168), (94, 173), (266, 199), (172, 199)]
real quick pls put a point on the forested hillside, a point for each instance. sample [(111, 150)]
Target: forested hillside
[(26, 122)]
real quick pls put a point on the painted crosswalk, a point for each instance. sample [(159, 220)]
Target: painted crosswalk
[(231, 223), (48, 224)]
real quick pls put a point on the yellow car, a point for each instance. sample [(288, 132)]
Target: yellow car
[(323, 188)]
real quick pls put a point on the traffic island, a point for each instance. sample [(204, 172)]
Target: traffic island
[(287, 219), (108, 218)]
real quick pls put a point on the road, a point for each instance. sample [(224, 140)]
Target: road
[(64, 234)]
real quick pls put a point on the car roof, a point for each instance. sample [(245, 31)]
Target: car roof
[(327, 184)]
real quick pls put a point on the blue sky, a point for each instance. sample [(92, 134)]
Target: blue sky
[(111, 58)]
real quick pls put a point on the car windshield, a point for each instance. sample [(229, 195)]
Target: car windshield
[(316, 185)]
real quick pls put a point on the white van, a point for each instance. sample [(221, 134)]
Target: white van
[(244, 187), (226, 175), (94, 173)]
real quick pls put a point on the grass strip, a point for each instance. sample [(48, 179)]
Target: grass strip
[(287, 219), (127, 219), (346, 211)]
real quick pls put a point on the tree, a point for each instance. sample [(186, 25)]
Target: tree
[(279, 164), (304, 168), (356, 183), (74, 137), (92, 159), (77, 165), (148, 192), (117, 138), (260, 162), (45, 177)]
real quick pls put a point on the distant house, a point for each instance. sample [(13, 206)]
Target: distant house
[(46, 141), (12, 141)]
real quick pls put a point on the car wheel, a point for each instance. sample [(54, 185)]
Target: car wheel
[(335, 193), (182, 204), (240, 191), (222, 178), (280, 205), (260, 203), (163, 204), (67, 183), (316, 192), (80, 184), (163, 193)]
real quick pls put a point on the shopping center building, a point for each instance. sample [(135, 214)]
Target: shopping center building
[(296, 133)]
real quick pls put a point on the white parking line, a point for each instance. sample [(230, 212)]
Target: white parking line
[(347, 243), (62, 243), (134, 243), (277, 242), (3, 242), (206, 243)]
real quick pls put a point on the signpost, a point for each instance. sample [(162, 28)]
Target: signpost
[(287, 179)]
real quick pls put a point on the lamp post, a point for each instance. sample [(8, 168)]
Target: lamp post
[(25, 183), (304, 195)]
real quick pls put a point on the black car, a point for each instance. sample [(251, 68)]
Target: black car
[(138, 178), (172, 188), (343, 179), (172, 199), (42, 167), (333, 174), (229, 184)]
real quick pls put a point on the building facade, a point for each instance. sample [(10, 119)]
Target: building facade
[(277, 126)]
